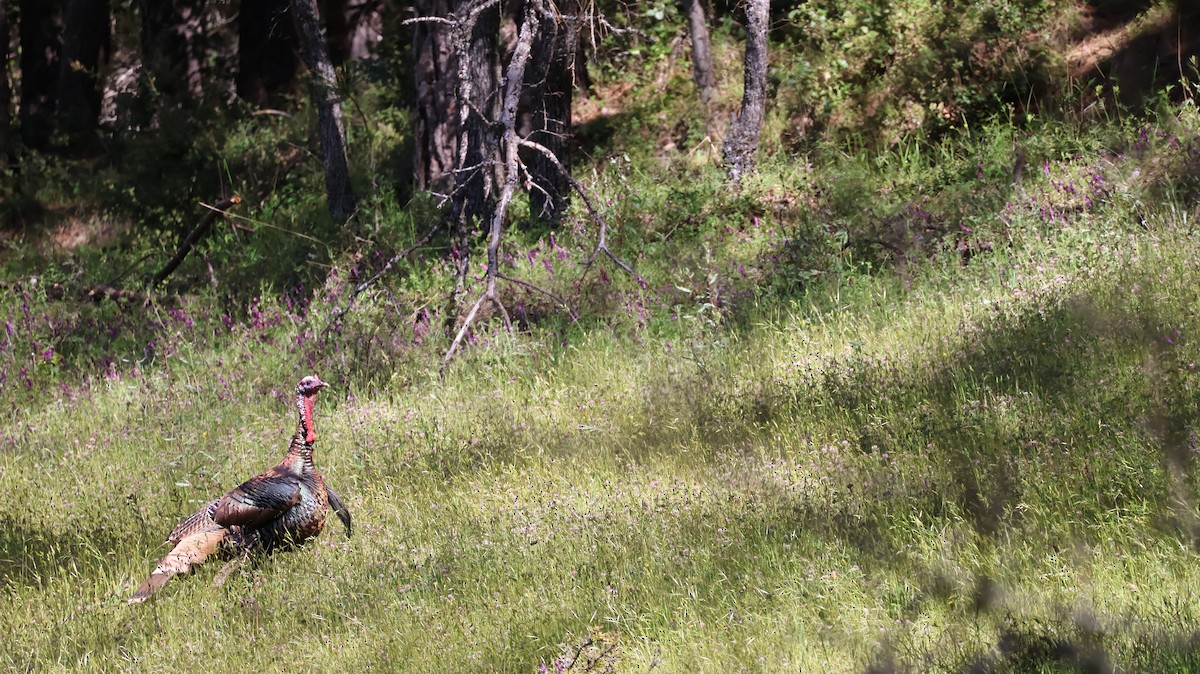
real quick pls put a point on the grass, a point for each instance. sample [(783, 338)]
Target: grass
[(873, 412), (976, 471)]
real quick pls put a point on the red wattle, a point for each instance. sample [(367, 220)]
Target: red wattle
[(307, 408)]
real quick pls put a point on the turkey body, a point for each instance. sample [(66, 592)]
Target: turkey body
[(281, 507)]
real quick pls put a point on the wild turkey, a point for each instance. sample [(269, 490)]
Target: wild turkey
[(281, 507)]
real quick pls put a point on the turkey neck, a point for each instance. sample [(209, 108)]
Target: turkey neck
[(300, 454)]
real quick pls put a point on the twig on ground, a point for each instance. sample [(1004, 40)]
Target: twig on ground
[(339, 314), (194, 236)]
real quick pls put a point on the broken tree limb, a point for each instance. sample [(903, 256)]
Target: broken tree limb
[(462, 332), (509, 141), (340, 313), (601, 224), (192, 238)]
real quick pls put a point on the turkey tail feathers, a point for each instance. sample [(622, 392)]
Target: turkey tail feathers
[(190, 551), (339, 507)]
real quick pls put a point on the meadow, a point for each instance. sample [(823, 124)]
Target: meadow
[(926, 404), (981, 466)]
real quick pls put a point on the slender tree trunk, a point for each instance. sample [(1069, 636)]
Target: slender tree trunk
[(173, 49), (5, 90), (551, 77), (331, 130), (85, 45), (266, 52), (702, 64), (741, 144), (40, 27), (436, 84)]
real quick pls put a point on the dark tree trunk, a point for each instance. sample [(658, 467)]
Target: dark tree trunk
[(551, 77), (85, 45), (173, 49), (477, 104), (741, 144), (476, 76), (702, 64), (40, 28), (350, 26), (436, 86), (266, 52), (5, 91), (330, 129), (339, 32)]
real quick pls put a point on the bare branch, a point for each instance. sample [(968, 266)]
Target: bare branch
[(462, 331), (270, 111), (547, 293), (234, 217), (339, 314), (428, 19), (192, 238), (602, 240)]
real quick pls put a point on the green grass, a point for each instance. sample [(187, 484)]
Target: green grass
[(823, 437), (974, 471)]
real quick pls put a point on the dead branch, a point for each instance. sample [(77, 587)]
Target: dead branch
[(601, 224), (462, 332), (339, 314), (193, 236), (427, 19), (547, 293), (514, 78)]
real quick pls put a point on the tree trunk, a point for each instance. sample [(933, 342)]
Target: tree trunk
[(702, 64), (40, 26), (741, 144), (338, 30), (478, 68), (367, 18), (509, 143), (436, 84), (551, 77), (173, 50), (5, 91), (266, 52), (330, 129), (85, 45), (477, 75)]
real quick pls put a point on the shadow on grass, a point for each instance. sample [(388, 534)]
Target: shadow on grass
[(1085, 408), (30, 556)]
